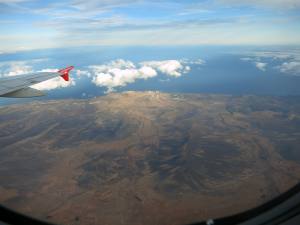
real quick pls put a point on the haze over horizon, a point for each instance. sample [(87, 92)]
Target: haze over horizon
[(31, 24)]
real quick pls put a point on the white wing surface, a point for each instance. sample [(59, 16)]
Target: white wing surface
[(19, 86)]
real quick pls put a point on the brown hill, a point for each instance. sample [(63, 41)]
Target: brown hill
[(147, 157)]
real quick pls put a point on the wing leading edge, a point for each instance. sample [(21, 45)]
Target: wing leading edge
[(19, 86)]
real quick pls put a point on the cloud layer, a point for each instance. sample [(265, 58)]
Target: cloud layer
[(119, 73), (13, 68), (291, 68), (130, 22), (286, 61), (281, 4)]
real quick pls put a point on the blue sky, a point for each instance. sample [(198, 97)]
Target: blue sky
[(32, 24)]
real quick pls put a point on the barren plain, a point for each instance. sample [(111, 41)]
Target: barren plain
[(147, 157)]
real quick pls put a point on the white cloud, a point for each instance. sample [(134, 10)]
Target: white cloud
[(14, 68), (19, 69), (103, 4), (281, 4), (147, 72), (290, 67), (275, 54), (168, 67), (48, 70), (164, 80), (261, 66), (286, 61), (187, 69), (196, 62), (246, 59), (119, 73), (122, 64), (119, 64), (81, 73), (12, 1)]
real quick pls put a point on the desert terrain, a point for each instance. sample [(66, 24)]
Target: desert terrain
[(147, 157)]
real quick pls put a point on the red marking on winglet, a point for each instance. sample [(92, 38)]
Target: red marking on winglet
[(64, 73)]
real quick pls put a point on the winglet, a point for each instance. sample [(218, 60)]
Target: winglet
[(64, 73)]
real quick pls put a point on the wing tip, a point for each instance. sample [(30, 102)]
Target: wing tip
[(64, 73)]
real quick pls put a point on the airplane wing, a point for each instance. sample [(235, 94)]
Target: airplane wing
[(19, 86)]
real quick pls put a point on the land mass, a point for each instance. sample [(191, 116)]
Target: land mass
[(147, 157)]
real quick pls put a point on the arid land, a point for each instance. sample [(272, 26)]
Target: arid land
[(147, 157)]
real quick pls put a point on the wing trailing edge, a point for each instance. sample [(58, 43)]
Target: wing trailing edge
[(24, 93), (19, 86)]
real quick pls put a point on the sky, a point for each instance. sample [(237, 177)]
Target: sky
[(33, 24)]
